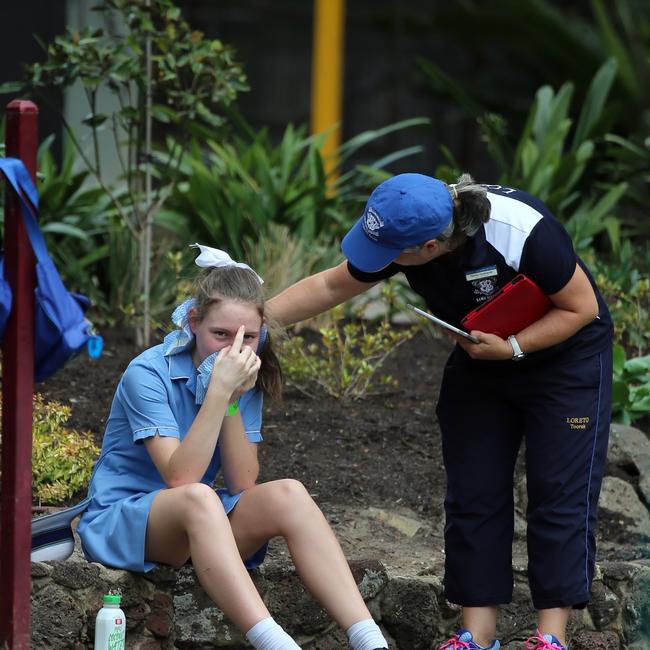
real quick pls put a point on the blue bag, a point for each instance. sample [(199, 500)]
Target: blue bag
[(52, 536), (61, 329)]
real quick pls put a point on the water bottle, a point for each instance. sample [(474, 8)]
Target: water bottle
[(110, 625)]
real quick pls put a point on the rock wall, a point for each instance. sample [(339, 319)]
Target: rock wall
[(167, 609)]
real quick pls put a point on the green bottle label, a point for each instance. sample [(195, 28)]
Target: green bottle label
[(116, 639)]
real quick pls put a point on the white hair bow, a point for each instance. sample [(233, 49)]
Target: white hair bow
[(215, 257)]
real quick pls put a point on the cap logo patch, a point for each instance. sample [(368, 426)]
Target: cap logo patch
[(372, 222)]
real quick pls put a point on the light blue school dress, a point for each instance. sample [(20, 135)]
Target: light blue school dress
[(157, 393)]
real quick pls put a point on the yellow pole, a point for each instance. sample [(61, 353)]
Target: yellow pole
[(327, 76)]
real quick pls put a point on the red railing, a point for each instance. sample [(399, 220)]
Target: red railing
[(17, 393)]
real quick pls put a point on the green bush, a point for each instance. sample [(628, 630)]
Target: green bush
[(344, 362), (161, 75), (631, 387), (537, 41), (62, 458), (282, 257), (554, 161), (630, 309), (230, 190), (625, 284)]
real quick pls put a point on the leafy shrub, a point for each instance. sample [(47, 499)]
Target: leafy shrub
[(160, 74), (62, 458), (231, 190), (625, 285), (630, 311), (544, 42), (282, 257), (344, 363), (551, 159), (170, 269), (631, 388)]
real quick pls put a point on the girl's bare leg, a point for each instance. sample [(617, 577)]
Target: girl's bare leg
[(190, 521), (284, 508)]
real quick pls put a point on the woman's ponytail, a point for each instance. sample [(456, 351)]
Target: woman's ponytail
[(471, 208)]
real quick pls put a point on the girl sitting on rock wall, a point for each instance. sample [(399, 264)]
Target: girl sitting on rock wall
[(184, 410)]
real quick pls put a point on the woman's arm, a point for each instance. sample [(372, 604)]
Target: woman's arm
[(315, 294), (574, 306)]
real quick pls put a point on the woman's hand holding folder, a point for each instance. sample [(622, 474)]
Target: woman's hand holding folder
[(490, 347)]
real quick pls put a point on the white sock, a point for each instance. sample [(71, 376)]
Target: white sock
[(366, 635), (268, 635)]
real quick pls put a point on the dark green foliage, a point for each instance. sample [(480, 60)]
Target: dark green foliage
[(159, 72), (552, 161), (631, 388), (232, 190)]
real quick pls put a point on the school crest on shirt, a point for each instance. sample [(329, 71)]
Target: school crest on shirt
[(372, 223), (484, 287)]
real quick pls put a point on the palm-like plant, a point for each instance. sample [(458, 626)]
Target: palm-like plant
[(233, 190), (554, 161)]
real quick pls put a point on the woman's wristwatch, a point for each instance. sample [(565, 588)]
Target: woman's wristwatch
[(517, 354)]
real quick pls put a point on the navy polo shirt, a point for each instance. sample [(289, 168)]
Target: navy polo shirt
[(521, 236)]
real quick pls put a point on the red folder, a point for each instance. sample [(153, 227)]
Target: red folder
[(513, 308)]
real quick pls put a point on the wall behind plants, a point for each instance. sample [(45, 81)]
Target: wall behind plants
[(385, 43), (381, 82), (20, 21), (273, 42)]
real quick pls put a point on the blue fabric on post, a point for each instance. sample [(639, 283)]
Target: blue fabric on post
[(61, 329), (5, 301)]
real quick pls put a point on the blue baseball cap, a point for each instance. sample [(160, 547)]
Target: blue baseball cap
[(406, 210)]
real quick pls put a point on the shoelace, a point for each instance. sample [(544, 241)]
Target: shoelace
[(455, 644), (538, 642)]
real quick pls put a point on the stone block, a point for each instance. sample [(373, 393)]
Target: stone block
[(409, 611), (629, 456), (587, 640), (75, 575), (148, 644), (41, 569), (57, 619), (622, 516), (518, 616), (370, 576), (159, 624), (605, 606)]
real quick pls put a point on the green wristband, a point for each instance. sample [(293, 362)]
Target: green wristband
[(232, 408)]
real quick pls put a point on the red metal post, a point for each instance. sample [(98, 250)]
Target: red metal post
[(17, 393)]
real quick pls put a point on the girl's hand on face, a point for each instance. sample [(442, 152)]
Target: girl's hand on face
[(235, 366), (249, 383), (489, 348)]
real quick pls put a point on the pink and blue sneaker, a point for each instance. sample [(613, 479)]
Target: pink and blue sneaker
[(544, 642), (463, 640)]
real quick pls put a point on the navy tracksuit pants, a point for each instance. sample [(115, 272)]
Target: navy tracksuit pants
[(561, 409)]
